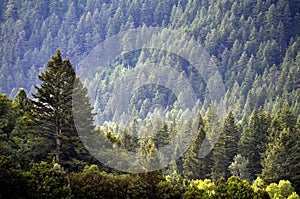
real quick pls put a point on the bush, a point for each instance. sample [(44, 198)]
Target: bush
[(47, 181), (12, 181), (281, 190), (93, 183), (165, 190), (294, 195)]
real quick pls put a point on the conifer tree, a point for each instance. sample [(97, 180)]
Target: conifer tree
[(193, 165), (281, 159), (22, 100), (253, 139), (56, 135), (226, 147), (283, 119), (274, 163)]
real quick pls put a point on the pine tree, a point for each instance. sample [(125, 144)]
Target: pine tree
[(23, 128), (253, 139), (22, 99), (56, 134), (239, 167), (193, 164), (226, 147), (283, 119), (280, 157)]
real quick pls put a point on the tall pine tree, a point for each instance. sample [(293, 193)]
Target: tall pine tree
[(281, 158), (56, 135), (253, 140), (193, 165), (226, 147)]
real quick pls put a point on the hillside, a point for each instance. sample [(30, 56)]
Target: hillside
[(186, 98)]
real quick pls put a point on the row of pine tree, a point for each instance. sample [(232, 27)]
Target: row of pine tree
[(43, 129)]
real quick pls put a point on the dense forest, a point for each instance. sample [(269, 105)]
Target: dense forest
[(62, 129)]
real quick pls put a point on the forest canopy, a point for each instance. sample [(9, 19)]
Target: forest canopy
[(51, 145)]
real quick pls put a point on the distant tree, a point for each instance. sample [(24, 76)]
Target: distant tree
[(271, 17), (11, 10), (22, 100), (249, 76)]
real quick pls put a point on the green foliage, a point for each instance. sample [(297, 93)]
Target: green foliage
[(251, 33), (294, 195), (258, 183), (47, 181), (226, 147), (193, 164), (237, 188), (12, 181), (9, 113), (255, 45), (93, 183), (281, 190), (54, 116), (239, 167), (281, 160), (53, 105), (165, 190), (253, 139), (200, 189)]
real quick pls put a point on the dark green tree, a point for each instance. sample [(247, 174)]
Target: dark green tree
[(9, 112), (283, 119), (193, 164), (226, 147), (55, 134), (276, 160), (47, 180), (12, 180), (281, 159), (253, 140)]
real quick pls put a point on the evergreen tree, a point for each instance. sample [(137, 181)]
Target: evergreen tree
[(239, 167), (193, 164), (253, 140), (226, 147), (283, 119), (276, 162), (56, 135), (23, 128), (22, 100), (281, 159)]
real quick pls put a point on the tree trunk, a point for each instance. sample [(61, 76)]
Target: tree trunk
[(58, 142)]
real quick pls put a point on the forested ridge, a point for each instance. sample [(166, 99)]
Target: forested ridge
[(255, 46)]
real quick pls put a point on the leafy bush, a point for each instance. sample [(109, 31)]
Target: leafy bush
[(294, 195), (12, 181), (281, 190), (47, 181)]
